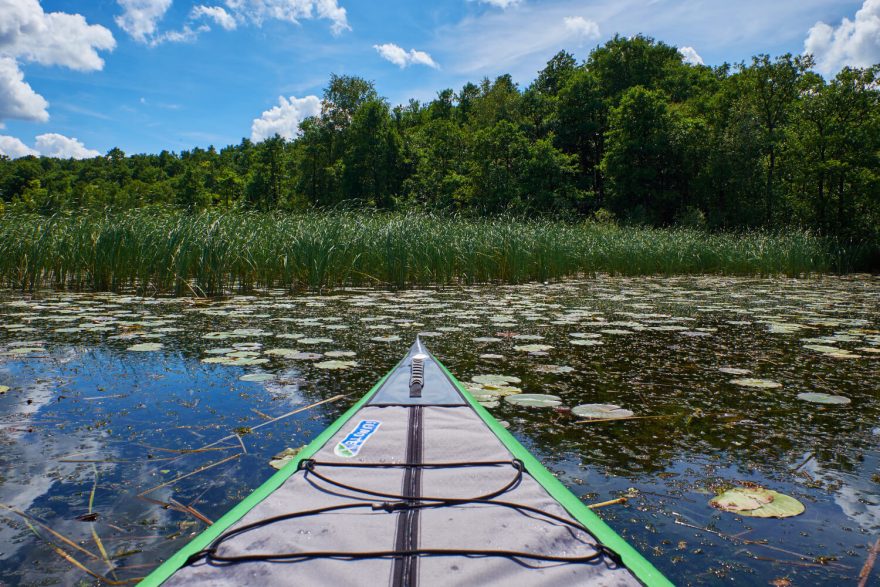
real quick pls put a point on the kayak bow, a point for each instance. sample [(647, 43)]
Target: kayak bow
[(416, 483)]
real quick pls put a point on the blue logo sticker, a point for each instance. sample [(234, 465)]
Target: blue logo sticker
[(351, 445)]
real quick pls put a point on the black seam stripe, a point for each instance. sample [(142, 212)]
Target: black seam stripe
[(405, 567)]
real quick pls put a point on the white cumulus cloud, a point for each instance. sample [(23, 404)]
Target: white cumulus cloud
[(853, 42), (14, 148), (402, 58), (690, 55), (215, 13), (57, 38), (27, 34), (62, 147), (17, 98), (582, 27), (284, 119), (140, 18), (47, 145)]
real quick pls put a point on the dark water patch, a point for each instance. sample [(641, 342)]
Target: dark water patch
[(197, 438)]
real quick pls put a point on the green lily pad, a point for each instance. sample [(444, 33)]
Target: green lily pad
[(314, 340), (391, 338), (824, 398), (600, 411), (256, 377), (235, 361), (336, 364), (26, 350), (487, 339), (145, 347), (498, 380), (586, 342), (534, 400), (338, 354), (284, 457), (492, 357), (755, 382), (555, 369), (733, 371), (821, 348), (533, 348), (757, 502), (3, 389), (242, 354), (281, 352), (220, 351), (490, 404)]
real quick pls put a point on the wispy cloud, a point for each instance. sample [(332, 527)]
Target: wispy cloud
[(140, 18)]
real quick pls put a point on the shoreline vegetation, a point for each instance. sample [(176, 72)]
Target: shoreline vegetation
[(211, 253), (767, 151)]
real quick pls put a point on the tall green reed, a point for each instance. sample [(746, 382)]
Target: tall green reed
[(214, 252)]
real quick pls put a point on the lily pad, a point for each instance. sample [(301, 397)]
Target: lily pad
[(757, 502), (145, 347), (534, 400), (755, 382), (284, 457), (256, 377), (600, 411), (585, 342), (824, 398), (555, 369), (287, 353), (391, 338), (338, 354), (733, 371), (220, 351), (533, 348), (336, 364), (3, 389), (314, 340), (498, 380), (492, 357)]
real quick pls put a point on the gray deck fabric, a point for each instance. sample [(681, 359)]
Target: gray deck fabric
[(451, 434), (438, 389)]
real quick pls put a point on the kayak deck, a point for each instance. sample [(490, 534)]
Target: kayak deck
[(414, 486)]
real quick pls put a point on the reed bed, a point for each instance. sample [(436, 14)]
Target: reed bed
[(212, 253)]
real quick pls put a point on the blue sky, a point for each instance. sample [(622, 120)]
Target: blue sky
[(147, 75)]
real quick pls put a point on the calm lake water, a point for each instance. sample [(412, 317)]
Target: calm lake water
[(109, 396)]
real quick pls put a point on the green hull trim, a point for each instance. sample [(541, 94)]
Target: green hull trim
[(169, 567), (634, 561)]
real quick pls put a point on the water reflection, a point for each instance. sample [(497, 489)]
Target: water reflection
[(80, 404)]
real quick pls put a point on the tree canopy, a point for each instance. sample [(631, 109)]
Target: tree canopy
[(630, 132)]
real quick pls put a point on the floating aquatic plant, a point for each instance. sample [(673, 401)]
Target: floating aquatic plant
[(600, 411), (757, 502), (534, 400)]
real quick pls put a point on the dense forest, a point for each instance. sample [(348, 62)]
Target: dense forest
[(632, 134)]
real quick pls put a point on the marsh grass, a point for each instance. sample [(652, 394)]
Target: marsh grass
[(212, 253)]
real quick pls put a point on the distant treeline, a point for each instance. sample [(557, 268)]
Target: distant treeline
[(632, 133)]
